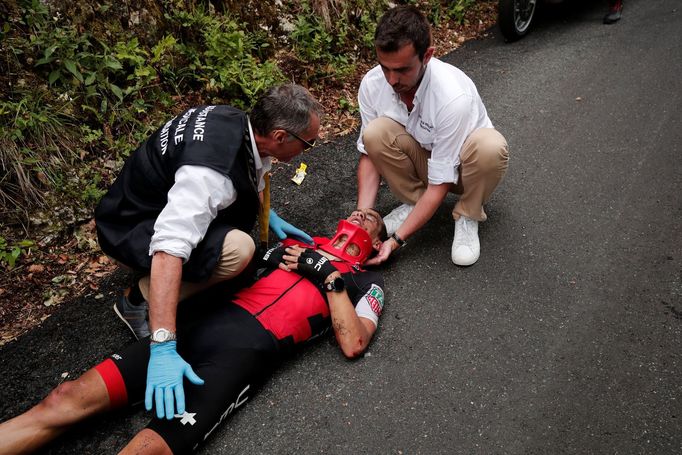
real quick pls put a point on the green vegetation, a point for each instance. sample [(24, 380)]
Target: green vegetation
[(453, 10), (10, 253), (83, 84), (326, 44)]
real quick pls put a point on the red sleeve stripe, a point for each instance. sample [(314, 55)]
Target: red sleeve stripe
[(118, 395)]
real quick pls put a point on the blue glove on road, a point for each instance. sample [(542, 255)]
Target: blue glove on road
[(283, 229), (165, 373)]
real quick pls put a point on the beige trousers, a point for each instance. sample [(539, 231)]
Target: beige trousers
[(403, 164), (238, 249)]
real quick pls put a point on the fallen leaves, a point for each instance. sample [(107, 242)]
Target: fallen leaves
[(36, 268), (49, 276)]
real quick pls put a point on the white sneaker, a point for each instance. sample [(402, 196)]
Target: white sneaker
[(465, 246), (397, 216)]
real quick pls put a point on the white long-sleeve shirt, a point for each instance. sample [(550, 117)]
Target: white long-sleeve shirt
[(193, 203)]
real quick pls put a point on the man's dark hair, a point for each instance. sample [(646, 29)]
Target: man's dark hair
[(403, 25), (286, 107), (383, 236), (383, 233)]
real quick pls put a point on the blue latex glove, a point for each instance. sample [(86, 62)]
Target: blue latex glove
[(165, 373), (283, 229)]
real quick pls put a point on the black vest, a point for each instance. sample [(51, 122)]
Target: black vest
[(213, 136)]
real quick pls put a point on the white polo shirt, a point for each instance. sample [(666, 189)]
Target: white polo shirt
[(447, 108)]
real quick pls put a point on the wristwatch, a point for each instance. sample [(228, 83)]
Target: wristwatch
[(162, 335), (336, 285), (401, 243)]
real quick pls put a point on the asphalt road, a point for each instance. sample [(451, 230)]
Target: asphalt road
[(565, 337)]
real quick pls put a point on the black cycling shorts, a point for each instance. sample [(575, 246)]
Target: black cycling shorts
[(225, 346)]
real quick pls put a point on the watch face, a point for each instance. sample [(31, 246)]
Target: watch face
[(337, 285), (161, 335)]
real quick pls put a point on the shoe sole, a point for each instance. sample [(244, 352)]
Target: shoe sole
[(465, 265), (125, 321)]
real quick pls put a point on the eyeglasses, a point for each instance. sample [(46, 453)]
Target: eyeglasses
[(309, 145)]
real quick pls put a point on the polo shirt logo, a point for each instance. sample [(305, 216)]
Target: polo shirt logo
[(425, 125)]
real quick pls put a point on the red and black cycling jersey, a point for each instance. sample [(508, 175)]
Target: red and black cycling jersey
[(234, 344), (295, 310)]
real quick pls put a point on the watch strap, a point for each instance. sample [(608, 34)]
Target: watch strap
[(401, 243), (335, 285), (162, 335)]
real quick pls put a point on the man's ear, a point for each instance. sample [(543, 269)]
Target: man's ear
[(279, 136), (377, 244), (427, 55)]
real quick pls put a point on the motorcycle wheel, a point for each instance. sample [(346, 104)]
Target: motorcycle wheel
[(515, 17)]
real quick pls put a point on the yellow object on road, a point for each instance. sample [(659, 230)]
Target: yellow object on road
[(300, 174)]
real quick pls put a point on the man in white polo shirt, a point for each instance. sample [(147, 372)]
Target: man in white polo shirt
[(426, 131)]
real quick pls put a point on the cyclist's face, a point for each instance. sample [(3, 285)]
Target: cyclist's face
[(367, 219)]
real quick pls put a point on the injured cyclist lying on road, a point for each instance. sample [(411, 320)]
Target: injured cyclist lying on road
[(234, 344)]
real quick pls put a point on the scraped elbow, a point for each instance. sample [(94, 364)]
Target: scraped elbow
[(354, 349)]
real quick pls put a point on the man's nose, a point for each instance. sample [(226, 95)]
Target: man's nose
[(393, 78)]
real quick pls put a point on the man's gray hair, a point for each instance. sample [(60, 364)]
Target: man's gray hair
[(284, 107)]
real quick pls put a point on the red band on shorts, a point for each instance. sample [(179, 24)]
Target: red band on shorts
[(118, 395)]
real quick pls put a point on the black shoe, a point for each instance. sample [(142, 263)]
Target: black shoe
[(134, 316), (615, 10)]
